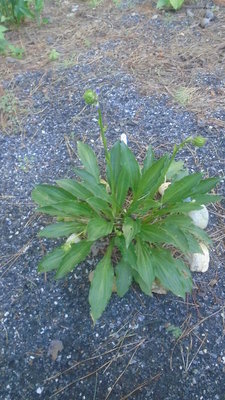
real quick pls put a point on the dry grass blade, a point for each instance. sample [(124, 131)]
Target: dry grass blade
[(139, 387)]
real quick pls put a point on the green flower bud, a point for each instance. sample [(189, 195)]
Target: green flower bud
[(90, 97), (198, 141)]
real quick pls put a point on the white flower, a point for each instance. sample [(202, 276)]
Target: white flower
[(199, 262), (200, 218), (163, 187), (123, 138), (74, 238)]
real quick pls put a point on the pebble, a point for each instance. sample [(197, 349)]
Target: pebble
[(189, 13), (204, 22), (209, 15)]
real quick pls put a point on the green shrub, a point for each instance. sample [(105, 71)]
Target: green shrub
[(141, 229), (17, 10)]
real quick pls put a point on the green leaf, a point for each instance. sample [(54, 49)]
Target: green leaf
[(172, 273), (181, 189), (101, 286), (207, 198), (176, 171), (98, 190), (180, 207), (152, 178), (115, 159), (45, 195), (130, 229), (67, 209), (77, 253), (61, 229), (98, 227), (130, 164), (149, 159), (52, 260), (205, 185), (123, 277), (162, 3), (122, 186), (143, 285), (100, 206), (142, 206), (176, 4), (88, 159), (144, 266), (75, 188)]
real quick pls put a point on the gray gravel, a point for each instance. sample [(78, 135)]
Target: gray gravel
[(131, 338)]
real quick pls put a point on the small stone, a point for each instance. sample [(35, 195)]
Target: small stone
[(204, 22), (11, 60), (189, 13), (157, 288), (199, 262), (39, 390), (200, 218), (209, 15), (54, 348)]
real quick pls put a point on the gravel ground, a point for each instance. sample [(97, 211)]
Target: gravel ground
[(129, 353)]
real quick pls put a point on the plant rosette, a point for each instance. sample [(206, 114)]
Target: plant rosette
[(141, 229)]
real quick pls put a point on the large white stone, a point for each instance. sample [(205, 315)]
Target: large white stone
[(199, 262), (200, 218), (163, 187)]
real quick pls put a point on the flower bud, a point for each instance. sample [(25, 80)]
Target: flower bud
[(90, 97), (198, 141), (123, 138)]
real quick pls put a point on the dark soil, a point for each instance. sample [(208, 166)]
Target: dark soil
[(130, 352)]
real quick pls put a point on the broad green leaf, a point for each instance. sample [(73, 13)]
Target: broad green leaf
[(176, 171), (88, 159), (152, 178), (143, 285), (100, 206), (77, 253), (123, 277), (176, 4), (205, 185), (98, 227), (181, 189), (130, 229), (61, 229), (45, 195), (68, 208), (180, 207), (52, 260), (130, 164), (75, 188), (207, 198), (162, 3), (122, 186), (172, 273), (199, 233), (149, 159), (88, 178), (115, 159), (142, 206), (101, 286), (144, 266), (98, 190)]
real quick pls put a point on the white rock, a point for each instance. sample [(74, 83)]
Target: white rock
[(199, 262), (200, 218), (163, 187)]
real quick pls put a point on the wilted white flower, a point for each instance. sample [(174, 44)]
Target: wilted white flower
[(199, 262), (163, 187), (74, 238), (200, 218), (123, 138)]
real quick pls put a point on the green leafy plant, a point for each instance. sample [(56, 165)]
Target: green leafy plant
[(141, 229), (54, 55), (174, 4), (176, 331), (17, 10), (6, 47)]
